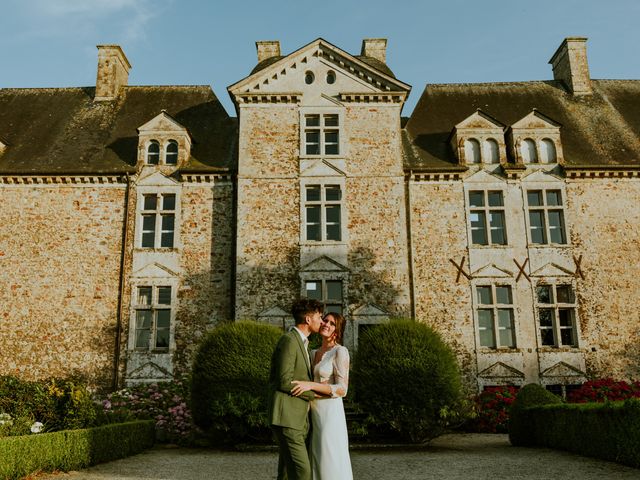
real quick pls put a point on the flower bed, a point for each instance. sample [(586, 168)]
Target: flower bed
[(492, 409), (604, 389)]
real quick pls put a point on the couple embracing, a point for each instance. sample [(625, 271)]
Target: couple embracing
[(306, 394)]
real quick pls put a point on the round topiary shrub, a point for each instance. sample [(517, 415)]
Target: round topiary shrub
[(530, 395), (229, 382), (406, 379)]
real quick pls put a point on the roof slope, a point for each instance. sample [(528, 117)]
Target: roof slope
[(63, 131), (596, 130)]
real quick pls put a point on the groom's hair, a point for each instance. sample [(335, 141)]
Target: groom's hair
[(304, 307)]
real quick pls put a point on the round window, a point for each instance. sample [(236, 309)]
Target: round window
[(309, 77), (331, 77)]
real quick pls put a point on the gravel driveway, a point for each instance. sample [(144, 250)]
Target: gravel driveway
[(455, 456)]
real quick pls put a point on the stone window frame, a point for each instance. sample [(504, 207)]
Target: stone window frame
[(538, 138), (545, 208), (493, 284), (556, 306), (482, 141), (324, 276), (171, 143), (142, 191), (322, 111), (163, 147), (323, 182), (154, 284), (148, 153), (486, 209)]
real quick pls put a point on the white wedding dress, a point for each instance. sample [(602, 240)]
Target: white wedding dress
[(329, 441)]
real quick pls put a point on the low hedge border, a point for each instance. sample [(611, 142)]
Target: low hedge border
[(610, 431), (73, 449)]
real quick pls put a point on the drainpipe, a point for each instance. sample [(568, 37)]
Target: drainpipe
[(408, 204)]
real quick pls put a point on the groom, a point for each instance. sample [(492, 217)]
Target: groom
[(289, 415)]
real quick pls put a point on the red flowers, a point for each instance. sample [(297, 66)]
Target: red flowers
[(604, 389), (492, 407)]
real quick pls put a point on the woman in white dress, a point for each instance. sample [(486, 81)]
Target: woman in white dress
[(329, 441)]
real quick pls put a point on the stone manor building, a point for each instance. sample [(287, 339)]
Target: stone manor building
[(505, 215)]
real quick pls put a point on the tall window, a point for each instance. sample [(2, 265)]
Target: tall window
[(323, 206), (486, 215), (491, 151), (153, 153), (546, 217), (556, 307), (322, 134), (171, 154), (328, 292), (495, 316), (529, 152), (152, 318), (158, 220), (548, 151), (472, 151)]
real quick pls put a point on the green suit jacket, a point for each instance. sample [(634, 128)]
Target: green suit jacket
[(288, 363)]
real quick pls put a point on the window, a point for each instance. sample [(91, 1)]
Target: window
[(309, 77), (486, 216), (472, 151), (153, 153), (171, 154), (322, 134), (152, 318), (158, 220), (495, 316), (491, 152), (548, 151), (331, 77), (556, 315), (546, 217), (323, 205), (328, 292), (529, 153)]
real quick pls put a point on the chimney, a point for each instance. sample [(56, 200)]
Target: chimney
[(375, 48), (267, 49), (570, 65), (113, 72)]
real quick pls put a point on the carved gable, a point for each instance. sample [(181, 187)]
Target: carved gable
[(562, 369), (535, 120), (500, 370), (154, 270), (491, 271), (552, 270), (480, 121), (169, 136), (149, 371), (324, 264)]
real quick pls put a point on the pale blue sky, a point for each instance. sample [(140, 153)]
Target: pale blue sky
[(51, 43)]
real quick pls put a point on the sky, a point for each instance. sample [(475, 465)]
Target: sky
[(52, 43)]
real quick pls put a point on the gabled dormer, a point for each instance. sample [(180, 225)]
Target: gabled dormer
[(479, 139), (163, 143), (535, 139)]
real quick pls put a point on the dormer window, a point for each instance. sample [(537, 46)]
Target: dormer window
[(529, 153), (479, 139), (548, 151), (171, 153), (535, 139), (491, 151), (472, 151), (153, 153)]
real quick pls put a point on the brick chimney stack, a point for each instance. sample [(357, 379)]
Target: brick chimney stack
[(113, 72), (375, 48), (267, 49), (570, 65)]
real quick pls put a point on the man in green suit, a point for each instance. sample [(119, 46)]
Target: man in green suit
[(289, 415)]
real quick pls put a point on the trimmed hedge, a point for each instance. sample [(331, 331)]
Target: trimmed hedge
[(610, 431), (530, 395), (72, 449)]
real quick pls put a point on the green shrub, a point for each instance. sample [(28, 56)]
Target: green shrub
[(492, 408), (72, 449), (229, 387), (74, 406), (24, 399), (406, 379), (530, 395)]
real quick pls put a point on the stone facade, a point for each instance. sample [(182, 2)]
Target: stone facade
[(503, 215)]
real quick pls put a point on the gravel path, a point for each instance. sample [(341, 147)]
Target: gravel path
[(455, 456)]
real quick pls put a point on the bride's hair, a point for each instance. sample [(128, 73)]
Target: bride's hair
[(340, 321)]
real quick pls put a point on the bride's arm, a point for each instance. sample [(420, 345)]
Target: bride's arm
[(340, 373)]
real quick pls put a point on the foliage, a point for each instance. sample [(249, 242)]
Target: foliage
[(165, 403), (230, 377), (530, 395), (492, 409), (72, 449), (605, 389), (609, 430), (407, 380)]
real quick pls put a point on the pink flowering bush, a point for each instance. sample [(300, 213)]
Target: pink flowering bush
[(166, 403), (604, 389), (492, 409)]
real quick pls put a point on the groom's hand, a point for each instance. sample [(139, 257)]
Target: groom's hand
[(300, 387)]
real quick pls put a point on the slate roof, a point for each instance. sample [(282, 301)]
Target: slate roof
[(63, 131), (602, 129)]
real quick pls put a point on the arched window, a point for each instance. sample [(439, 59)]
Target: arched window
[(472, 150), (491, 152), (153, 153), (529, 154), (548, 151), (171, 154)]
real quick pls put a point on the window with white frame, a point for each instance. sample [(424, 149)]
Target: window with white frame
[(487, 217), (546, 217), (472, 151), (548, 151), (171, 153), (158, 215), (491, 151), (153, 153), (323, 212), (152, 317), (529, 151), (495, 316), (321, 134), (556, 308), (326, 291)]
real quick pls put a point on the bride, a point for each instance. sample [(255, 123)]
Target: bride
[(329, 442)]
